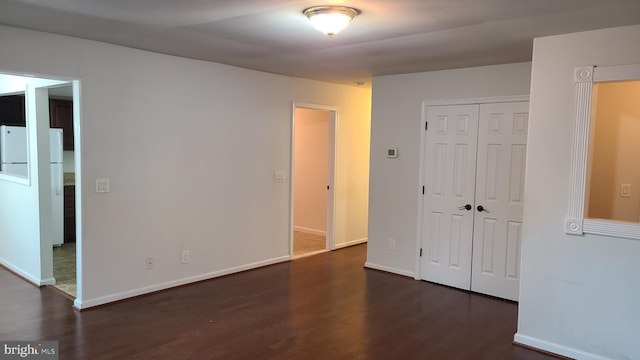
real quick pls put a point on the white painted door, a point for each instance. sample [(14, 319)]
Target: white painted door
[(502, 149), (474, 155), (450, 163)]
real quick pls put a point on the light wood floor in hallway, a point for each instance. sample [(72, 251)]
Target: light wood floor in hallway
[(325, 307), (305, 243), (64, 268)]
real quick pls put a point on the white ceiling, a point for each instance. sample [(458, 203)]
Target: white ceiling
[(389, 37)]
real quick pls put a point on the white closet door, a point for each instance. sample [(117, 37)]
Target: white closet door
[(502, 139), (450, 163)]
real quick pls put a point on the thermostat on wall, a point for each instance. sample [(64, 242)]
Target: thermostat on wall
[(392, 152)]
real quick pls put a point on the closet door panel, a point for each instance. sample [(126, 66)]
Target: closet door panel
[(450, 166), (502, 139)]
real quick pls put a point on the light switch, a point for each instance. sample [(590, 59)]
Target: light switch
[(625, 190), (102, 185), (279, 176)]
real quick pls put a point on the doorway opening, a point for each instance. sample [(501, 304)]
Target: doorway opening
[(312, 180), (61, 116), (47, 113)]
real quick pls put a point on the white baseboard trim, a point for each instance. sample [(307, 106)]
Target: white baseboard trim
[(85, 304), (389, 269), (25, 275), (351, 243), (310, 231), (555, 348)]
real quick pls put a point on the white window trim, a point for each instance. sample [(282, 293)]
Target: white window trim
[(576, 224)]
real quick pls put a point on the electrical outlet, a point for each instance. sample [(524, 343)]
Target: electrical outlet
[(625, 190), (392, 244), (279, 176), (149, 262), (102, 185), (185, 256)]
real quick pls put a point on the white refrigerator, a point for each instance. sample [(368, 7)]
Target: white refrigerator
[(14, 161), (57, 185)]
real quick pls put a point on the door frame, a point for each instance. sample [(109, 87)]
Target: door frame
[(45, 254), (333, 129), (421, 167)]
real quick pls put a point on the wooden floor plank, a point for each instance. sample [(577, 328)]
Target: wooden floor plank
[(325, 306)]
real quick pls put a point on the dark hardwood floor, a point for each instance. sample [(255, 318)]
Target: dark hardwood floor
[(325, 306)]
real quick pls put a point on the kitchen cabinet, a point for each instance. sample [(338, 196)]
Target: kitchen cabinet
[(61, 116), (69, 213), (12, 110)]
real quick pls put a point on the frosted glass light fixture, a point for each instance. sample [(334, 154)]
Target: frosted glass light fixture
[(330, 19)]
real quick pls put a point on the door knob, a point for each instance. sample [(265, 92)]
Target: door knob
[(466, 207), (481, 209)]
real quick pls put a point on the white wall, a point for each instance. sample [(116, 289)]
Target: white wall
[(579, 295), (190, 148), (396, 122), (10, 84), (311, 170), (19, 230)]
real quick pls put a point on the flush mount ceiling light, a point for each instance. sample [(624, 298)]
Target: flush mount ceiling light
[(330, 19)]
